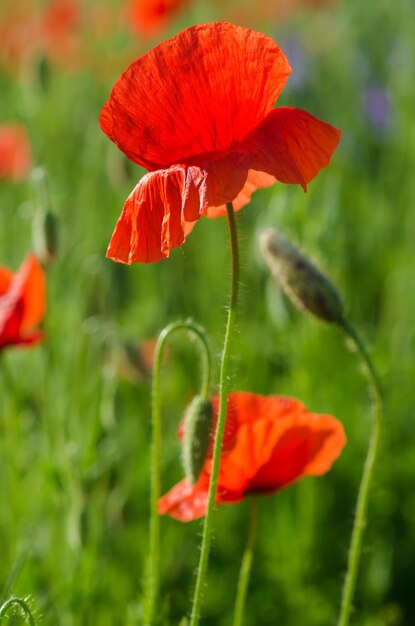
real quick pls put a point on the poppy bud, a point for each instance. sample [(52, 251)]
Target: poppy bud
[(196, 437), (45, 236), (43, 72), (305, 285), (44, 226)]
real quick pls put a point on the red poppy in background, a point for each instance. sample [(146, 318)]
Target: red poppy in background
[(147, 17), (269, 442), (22, 303), (54, 31), (15, 152), (59, 30), (197, 112)]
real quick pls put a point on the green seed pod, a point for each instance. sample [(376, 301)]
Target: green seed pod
[(198, 420), (306, 286)]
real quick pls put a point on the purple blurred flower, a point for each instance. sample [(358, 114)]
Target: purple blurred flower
[(377, 106), (294, 51)]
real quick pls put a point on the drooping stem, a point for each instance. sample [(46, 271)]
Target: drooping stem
[(365, 483), (199, 333), (220, 427), (246, 564), (22, 604)]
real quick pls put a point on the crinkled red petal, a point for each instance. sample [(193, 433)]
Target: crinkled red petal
[(291, 145), (199, 93), (159, 212), (154, 216)]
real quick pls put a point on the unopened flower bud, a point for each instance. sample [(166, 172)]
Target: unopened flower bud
[(44, 226), (196, 437), (45, 236), (299, 278), (43, 72)]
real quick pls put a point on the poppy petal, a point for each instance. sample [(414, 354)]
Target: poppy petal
[(275, 441), (307, 444), (154, 217), (22, 306), (254, 181), (15, 152), (185, 502), (6, 277), (199, 93), (292, 145), (249, 407), (33, 292), (225, 178)]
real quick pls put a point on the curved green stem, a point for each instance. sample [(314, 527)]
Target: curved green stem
[(365, 483), (220, 427), (246, 564), (22, 604), (152, 579)]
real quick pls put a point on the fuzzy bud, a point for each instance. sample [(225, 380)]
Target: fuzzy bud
[(306, 286), (45, 236), (197, 429), (45, 222)]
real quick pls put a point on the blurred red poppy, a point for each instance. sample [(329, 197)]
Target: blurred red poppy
[(197, 112), (54, 31), (15, 152), (22, 303), (147, 17), (269, 442), (59, 30)]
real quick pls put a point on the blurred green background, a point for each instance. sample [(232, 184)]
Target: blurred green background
[(74, 412)]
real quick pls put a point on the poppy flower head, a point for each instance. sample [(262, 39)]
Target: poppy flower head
[(22, 303), (197, 112), (270, 442), (15, 152)]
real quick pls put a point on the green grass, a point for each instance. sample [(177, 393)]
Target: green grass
[(74, 437)]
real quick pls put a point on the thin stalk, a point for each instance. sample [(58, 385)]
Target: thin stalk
[(22, 604), (360, 519), (246, 564), (220, 427), (152, 579)]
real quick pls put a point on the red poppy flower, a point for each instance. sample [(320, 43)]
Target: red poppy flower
[(269, 442), (15, 152), (197, 112), (147, 17), (22, 303), (59, 30)]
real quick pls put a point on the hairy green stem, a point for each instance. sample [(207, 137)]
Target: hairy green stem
[(152, 578), (22, 604), (246, 564), (220, 427), (360, 519)]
